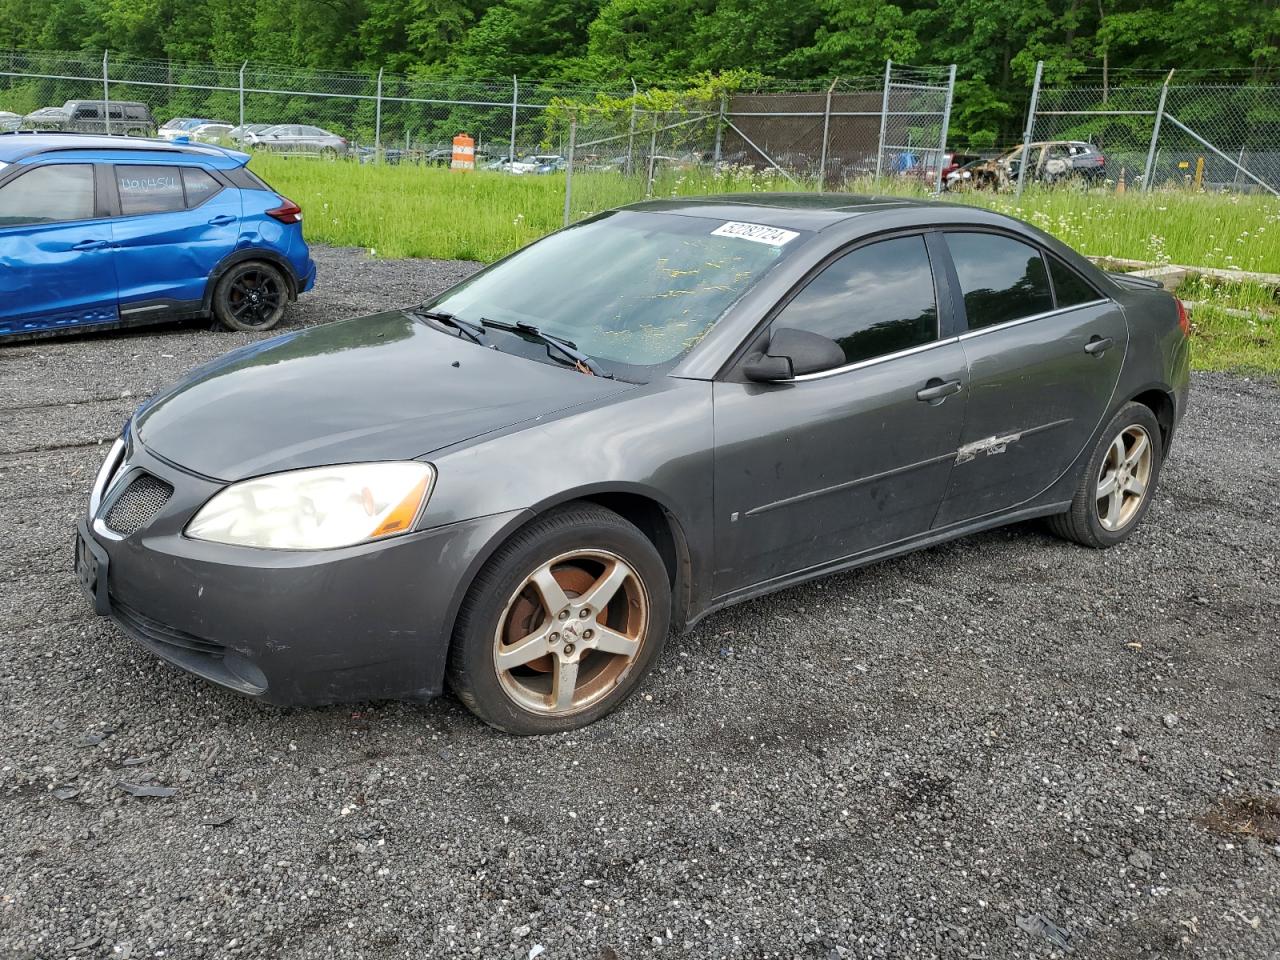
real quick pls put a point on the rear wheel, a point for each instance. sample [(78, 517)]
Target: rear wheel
[(562, 623), (250, 296), (1115, 491)]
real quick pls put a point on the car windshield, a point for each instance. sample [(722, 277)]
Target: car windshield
[(634, 290)]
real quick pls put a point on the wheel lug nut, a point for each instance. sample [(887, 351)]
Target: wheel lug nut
[(554, 637), (564, 614), (568, 648), (587, 634), (585, 612)]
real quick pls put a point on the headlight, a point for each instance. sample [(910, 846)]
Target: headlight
[(319, 508)]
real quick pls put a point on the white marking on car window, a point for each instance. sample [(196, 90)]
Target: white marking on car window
[(755, 232)]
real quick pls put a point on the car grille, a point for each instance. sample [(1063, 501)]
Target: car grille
[(161, 633), (137, 504)]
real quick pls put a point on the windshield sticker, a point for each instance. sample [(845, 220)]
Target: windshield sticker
[(755, 232)]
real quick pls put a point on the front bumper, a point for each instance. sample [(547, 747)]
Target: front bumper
[(286, 627)]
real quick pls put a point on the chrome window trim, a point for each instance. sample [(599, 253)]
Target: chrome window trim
[(970, 334), (861, 364)]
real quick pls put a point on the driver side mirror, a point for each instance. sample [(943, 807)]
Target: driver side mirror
[(793, 353)]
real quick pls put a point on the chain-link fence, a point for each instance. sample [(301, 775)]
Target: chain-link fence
[(1157, 133), (894, 124)]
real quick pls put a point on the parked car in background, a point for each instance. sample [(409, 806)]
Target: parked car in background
[(99, 232), (211, 133), (119, 117), (9, 121), (953, 160), (239, 134), (180, 126), (296, 138), (541, 163), (1058, 161), (706, 399)]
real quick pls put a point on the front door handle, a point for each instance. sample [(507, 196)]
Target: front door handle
[(221, 220), (936, 390), (1097, 346), (89, 245)]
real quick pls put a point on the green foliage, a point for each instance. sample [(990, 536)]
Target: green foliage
[(660, 43)]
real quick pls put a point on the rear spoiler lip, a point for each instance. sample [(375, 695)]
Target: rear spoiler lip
[(1132, 282)]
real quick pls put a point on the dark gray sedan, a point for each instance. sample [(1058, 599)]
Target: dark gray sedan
[(523, 485)]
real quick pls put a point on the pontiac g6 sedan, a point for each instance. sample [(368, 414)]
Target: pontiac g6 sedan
[(521, 486)]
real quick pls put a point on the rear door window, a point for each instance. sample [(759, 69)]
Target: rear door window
[(199, 184), (1069, 288), (877, 300), (149, 189), (52, 193), (1001, 279)]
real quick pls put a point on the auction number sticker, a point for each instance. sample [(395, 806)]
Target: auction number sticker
[(755, 232)]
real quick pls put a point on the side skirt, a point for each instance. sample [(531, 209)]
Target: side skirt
[(929, 539)]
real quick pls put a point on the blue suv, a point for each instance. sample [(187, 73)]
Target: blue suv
[(100, 232)]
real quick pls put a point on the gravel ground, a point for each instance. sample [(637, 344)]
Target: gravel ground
[(927, 758)]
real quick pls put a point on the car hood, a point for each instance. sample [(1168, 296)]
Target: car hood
[(383, 387)]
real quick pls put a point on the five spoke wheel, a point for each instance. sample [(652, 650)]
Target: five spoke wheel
[(571, 632), (1124, 478)]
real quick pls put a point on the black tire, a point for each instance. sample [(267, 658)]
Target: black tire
[(473, 673), (1083, 523), (251, 296)]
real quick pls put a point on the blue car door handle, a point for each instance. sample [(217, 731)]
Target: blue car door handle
[(221, 220), (90, 245)]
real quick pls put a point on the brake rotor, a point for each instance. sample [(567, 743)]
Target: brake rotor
[(528, 613)]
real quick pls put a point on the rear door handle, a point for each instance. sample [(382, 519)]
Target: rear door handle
[(935, 391), (1097, 346), (89, 245), (221, 220)]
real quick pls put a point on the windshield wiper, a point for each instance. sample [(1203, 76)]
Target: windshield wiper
[(474, 331), (565, 348)]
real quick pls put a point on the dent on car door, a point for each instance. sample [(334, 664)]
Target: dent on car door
[(55, 251), (1044, 352), (828, 466), (176, 223)]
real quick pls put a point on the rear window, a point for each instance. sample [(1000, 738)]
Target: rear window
[(1001, 279), (199, 184), (149, 189)]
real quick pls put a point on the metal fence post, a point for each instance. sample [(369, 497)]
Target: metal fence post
[(653, 149), (631, 134), (826, 128), (884, 116), (1148, 172), (106, 94), (515, 103), (715, 158), (1031, 124), (568, 173), (377, 121), (946, 123), (242, 66)]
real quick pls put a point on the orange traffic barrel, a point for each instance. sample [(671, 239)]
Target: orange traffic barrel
[(464, 153)]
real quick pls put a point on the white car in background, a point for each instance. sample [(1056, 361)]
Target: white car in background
[(9, 121), (211, 132)]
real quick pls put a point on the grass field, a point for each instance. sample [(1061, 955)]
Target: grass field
[(412, 211)]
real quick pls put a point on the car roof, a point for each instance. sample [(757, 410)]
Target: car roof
[(21, 146), (792, 211)]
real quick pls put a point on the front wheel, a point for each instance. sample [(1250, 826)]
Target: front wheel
[(562, 623), (1115, 491), (250, 296)]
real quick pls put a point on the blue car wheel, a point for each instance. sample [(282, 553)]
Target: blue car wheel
[(251, 296)]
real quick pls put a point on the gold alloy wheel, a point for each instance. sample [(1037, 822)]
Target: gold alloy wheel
[(1124, 478), (571, 633)]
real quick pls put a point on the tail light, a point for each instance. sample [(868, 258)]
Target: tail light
[(287, 212), (1184, 321)]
